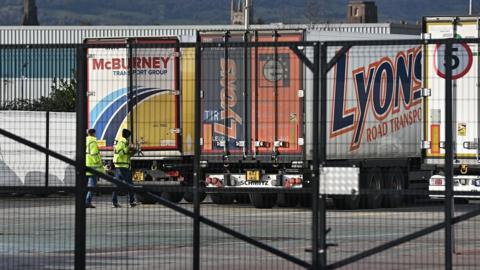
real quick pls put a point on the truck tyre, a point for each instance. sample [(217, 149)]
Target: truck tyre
[(188, 196), (394, 181), (263, 200), (347, 202), (242, 198), (145, 200), (219, 198), (374, 185), (305, 200), (174, 197), (287, 200), (460, 201)]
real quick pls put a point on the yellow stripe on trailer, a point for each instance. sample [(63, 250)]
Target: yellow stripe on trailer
[(188, 100)]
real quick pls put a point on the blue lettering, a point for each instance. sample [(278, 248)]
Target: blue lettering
[(404, 80), (363, 92), (418, 74), (340, 121), (380, 81)]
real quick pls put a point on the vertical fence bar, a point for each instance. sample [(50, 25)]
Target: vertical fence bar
[(47, 145), (448, 157), (130, 90), (315, 160), (323, 154), (255, 96), (275, 94), (196, 164), (80, 179), (3, 80), (225, 73), (246, 97)]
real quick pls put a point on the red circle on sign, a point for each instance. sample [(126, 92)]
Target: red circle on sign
[(461, 74)]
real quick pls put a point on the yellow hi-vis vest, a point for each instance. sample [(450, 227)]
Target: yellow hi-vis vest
[(121, 154), (93, 158)]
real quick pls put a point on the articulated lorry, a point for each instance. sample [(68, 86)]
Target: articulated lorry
[(257, 117), (385, 116), (385, 113)]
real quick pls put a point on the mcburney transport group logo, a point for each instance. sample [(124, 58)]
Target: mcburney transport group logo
[(145, 65)]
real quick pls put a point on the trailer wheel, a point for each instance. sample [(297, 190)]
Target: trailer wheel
[(305, 200), (395, 182), (174, 197), (218, 198), (351, 202), (287, 200), (460, 201), (242, 198), (263, 200), (144, 200), (374, 185), (188, 196)]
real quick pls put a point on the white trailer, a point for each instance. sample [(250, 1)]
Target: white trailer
[(21, 165), (465, 75)]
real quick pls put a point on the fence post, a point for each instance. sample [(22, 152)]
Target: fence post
[(196, 165), (226, 120), (315, 163), (130, 92), (47, 145), (448, 156), (246, 96), (318, 200), (80, 178), (3, 82), (323, 154)]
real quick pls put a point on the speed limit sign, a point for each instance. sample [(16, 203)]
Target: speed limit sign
[(462, 60)]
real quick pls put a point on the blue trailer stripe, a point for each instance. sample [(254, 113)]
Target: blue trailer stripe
[(117, 120), (103, 103)]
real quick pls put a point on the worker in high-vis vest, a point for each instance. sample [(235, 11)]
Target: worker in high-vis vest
[(93, 160), (122, 154)]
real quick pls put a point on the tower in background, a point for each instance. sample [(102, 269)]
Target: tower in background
[(29, 13), (237, 12), (362, 12)]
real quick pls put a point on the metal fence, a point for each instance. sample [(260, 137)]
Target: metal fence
[(228, 104)]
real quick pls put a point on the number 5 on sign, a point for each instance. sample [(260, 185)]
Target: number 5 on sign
[(462, 59)]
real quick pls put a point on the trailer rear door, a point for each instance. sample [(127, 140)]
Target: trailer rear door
[(223, 101), (465, 90), (134, 87), (276, 98)]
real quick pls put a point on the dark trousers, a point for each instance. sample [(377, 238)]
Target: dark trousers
[(92, 182), (125, 175)]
